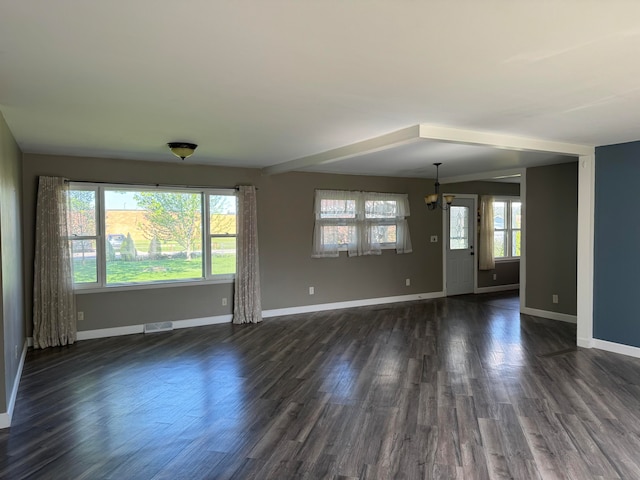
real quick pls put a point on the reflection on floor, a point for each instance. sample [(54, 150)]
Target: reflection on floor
[(457, 388)]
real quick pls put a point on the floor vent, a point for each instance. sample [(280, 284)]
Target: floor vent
[(158, 327)]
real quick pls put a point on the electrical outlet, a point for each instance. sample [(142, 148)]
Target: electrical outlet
[(80, 316), (554, 298), (312, 290), (434, 238), (224, 301), (407, 282), (495, 276)]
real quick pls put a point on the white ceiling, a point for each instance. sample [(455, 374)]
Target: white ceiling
[(257, 83)]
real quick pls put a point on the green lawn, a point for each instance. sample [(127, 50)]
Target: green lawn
[(152, 270)]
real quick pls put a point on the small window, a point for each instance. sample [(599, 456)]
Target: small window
[(506, 228), (458, 227)]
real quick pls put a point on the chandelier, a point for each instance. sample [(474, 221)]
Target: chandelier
[(434, 200)]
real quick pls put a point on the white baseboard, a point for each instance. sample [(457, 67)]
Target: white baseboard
[(563, 317), (199, 322), (616, 347), (5, 418), (320, 307), (584, 342), (498, 288)]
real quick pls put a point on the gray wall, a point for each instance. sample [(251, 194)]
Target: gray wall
[(11, 283), (285, 227), (508, 272), (617, 236), (552, 233)]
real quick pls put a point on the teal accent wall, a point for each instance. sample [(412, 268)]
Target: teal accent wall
[(617, 244)]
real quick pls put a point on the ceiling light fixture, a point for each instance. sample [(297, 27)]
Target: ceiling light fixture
[(182, 149), (434, 200)]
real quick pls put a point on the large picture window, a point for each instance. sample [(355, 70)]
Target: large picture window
[(506, 228), (360, 223), (131, 235)]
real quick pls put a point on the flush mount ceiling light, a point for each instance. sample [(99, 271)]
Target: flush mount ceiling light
[(434, 200), (182, 149)]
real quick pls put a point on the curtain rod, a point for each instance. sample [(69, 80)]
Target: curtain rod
[(237, 187)]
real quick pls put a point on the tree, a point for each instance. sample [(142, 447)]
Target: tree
[(155, 249), (111, 252), (172, 217), (82, 218), (128, 251)]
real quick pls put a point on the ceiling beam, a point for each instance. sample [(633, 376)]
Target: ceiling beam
[(376, 144), (502, 141), (433, 133)]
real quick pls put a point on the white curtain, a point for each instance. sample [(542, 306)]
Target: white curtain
[(247, 307), (359, 222), (54, 309), (486, 260)]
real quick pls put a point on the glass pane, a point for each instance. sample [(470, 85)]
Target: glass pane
[(152, 236), (222, 211), (499, 244), (341, 235), (499, 215), (82, 213), (515, 247), (516, 216), (223, 255), (383, 234), (85, 266), (458, 227), (381, 209), (338, 208)]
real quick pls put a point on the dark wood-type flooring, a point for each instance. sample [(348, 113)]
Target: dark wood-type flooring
[(463, 388)]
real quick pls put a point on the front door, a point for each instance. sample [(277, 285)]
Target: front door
[(460, 242)]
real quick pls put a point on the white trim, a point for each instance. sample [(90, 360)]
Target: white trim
[(201, 322), (349, 304), (6, 417), (563, 317), (615, 347), (227, 278), (498, 288), (134, 329), (109, 332), (586, 220), (584, 342)]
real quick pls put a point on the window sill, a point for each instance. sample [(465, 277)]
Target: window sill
[(151, 286), (507, 260)]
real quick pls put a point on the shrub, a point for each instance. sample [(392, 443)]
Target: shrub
[(128, 251), (155, 249), (111, 252)]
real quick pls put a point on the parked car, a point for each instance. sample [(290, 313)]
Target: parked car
[(115, 239)]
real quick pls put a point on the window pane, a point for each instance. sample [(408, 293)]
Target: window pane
[(515, 247), (152, 236), (499, 244), (82, 213), (338, 208), (458, 228), (516, 216), (499, 215), (85, 265), (381, 209), (341, 235), (222, 211), (223, 255), (383, 234)]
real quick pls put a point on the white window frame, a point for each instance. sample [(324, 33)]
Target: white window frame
[(101, 284), (508, 223)]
